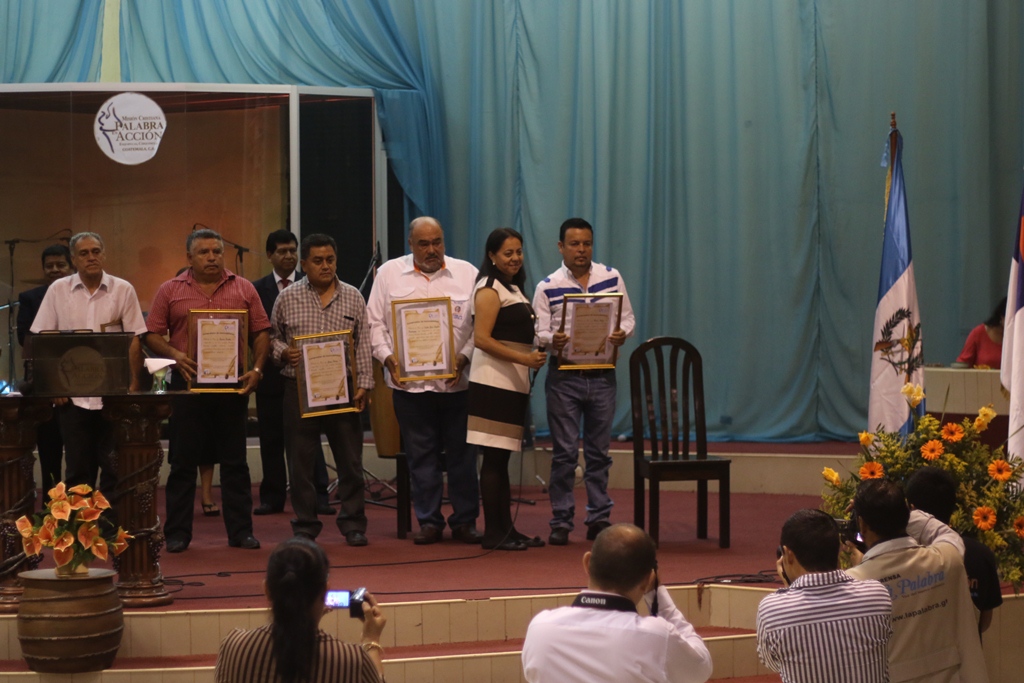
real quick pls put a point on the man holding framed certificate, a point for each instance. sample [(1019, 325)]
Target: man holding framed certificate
[(210, 313), (583, 316), (422, 332), (320, 337)]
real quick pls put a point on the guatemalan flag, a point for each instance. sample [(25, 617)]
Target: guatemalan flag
[(896, 357), (1011, 370)]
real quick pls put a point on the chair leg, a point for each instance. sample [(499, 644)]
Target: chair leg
[(723, 511), (403, 503), (655, 508), (702, 508), (638, 497)]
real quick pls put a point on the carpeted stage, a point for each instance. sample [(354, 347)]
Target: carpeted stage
[(210, 575)]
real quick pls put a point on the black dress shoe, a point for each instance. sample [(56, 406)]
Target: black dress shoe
[(325, 509), (509, 544), (466, 534), (559, 536), (247, 543), (427, 535), (356, 539), (597, 527), (264, 509), (176, 545)]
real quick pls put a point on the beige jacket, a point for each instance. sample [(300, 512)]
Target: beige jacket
[(935, 635)]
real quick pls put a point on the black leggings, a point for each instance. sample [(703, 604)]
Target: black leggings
[(496, 492)]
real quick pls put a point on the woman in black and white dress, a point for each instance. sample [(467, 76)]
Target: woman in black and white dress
[(499, 380)]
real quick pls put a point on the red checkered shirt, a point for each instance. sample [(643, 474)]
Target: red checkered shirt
[(178, 296)]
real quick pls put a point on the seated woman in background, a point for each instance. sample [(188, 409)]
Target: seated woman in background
[(984, 346), (292, 648)]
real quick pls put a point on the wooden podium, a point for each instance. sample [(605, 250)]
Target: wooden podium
[(956, 393)]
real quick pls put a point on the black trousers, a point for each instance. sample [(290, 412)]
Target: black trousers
[(51, 454), (208, 428), (273, 445), (345, 435), (89, 446)]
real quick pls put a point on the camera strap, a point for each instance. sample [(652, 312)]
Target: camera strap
[(614, 603)]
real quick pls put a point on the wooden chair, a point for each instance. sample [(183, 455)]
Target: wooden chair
[(662, 372)]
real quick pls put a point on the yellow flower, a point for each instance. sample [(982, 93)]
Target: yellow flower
[(980, 425), (932, 450), (986, 413), (871, 470), (952, 432), (914, 394), (866, 438), (1000, 470), (984, 518), (831, 476)]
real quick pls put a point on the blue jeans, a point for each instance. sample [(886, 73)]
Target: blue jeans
[(573, 397), (433, 427)]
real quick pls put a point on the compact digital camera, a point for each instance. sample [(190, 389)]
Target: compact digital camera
[(351, 600)]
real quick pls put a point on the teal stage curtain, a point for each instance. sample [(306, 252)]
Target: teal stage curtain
[(50, 41), (726, 151)]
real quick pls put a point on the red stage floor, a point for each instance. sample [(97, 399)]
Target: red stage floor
[(211, 575)]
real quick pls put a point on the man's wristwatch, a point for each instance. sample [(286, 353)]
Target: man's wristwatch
[(258, 371)]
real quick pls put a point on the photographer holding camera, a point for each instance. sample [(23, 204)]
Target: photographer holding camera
[(824, 626), (292, 647)]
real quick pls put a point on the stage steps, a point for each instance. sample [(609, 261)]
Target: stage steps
[(470, 641)]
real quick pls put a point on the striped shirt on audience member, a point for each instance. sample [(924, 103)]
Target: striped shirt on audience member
[(827, 627)]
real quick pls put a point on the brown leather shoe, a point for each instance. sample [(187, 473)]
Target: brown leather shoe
[(427, 535), (466, 534)]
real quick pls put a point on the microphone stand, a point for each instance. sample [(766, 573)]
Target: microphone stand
[(375, 262)]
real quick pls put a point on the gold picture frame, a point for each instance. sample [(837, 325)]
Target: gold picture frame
[(212, 335), (586, 350), (331, 355), (432, 344)]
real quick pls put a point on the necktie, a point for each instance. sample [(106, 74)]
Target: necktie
[(285, 282)]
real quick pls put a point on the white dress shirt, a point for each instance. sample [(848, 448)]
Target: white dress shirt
[(592, 646), (399, 279), (549, 298), (68, 305)]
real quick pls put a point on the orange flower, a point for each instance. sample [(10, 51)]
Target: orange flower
[(89, 514), (79, 503), (60, 509), (932, 450), (63, 555), (24, 525), (984, 518), (1000, 470), (120, 544), (99, 501), (81, 489), (1018, 526), (866, 438), (952, 432), (99, 548), (32, 545), (831, 476), (871, 470), (58, 492), (45, 535), (87, 535), (65, 540)]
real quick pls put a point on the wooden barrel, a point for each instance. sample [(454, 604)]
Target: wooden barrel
[(69, 625)]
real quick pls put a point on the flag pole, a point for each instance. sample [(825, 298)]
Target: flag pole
[(892, 158)]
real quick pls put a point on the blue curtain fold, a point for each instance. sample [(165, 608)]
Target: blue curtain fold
[(50, 41), (301, 42)]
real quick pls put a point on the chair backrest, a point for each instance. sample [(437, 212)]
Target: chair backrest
[(666, 388)]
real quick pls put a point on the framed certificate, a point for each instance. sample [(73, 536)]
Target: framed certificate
[(322, 374), (218, 342), (594, 317), (424, 338)]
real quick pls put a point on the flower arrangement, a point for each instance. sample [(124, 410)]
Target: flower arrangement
[(990, 499), (71, 526)]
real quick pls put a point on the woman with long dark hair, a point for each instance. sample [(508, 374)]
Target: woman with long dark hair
[(292, 648), (984, 345), (499, 380)]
